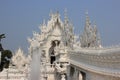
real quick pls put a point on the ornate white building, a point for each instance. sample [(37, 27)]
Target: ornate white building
[(64, 56)]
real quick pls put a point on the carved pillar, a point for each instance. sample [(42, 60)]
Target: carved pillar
[(68, 73), (72, 70), (74, 74), (77, 74)]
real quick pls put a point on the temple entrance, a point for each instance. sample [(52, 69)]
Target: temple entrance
[(52, 52), (82, 75)]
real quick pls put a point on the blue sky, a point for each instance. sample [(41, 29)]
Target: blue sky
[(19, 18)]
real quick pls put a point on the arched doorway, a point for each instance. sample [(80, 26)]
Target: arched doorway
[(52, 55), (82, 75)]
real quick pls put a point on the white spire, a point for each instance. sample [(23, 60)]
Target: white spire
[(95, 27), (66, 16), (44, 22), (86, 12), (50, 14), (87, 23)]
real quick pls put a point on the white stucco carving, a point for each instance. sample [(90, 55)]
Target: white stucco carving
[(65, 56), (19, 60)]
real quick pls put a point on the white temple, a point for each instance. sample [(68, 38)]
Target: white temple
[(65, 56)]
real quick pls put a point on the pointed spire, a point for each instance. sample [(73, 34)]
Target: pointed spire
[(50, 14), (97, 35), (99, 41), (86, 12), (57, 14), (44, 22), (87, 22), (65, 16), (95, 27), (87, 19)]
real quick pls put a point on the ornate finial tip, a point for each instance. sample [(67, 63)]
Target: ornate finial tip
[(65, 13), (65, 9), (86, 12)]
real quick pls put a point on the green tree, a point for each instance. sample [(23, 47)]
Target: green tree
[(1, 37), (6, 55)]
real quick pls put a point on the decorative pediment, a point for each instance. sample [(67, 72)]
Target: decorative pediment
[(55, 29), (19, 60), (55, 24)]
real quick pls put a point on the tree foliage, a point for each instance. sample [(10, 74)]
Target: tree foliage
[(6, 56)]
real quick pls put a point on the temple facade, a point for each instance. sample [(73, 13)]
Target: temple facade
[(65, 56)]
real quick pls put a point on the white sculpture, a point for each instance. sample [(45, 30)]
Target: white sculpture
[(71, 57), (19, 60), (90, 37)]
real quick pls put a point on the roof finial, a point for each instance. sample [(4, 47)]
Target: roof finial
[(50, 13), (57, 14), (44, 22), (87, 19), (86, 12), (65, 12), (65, 16), (95, 27)]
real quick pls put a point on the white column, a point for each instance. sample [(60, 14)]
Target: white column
[(77, 74), (68, 73)]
